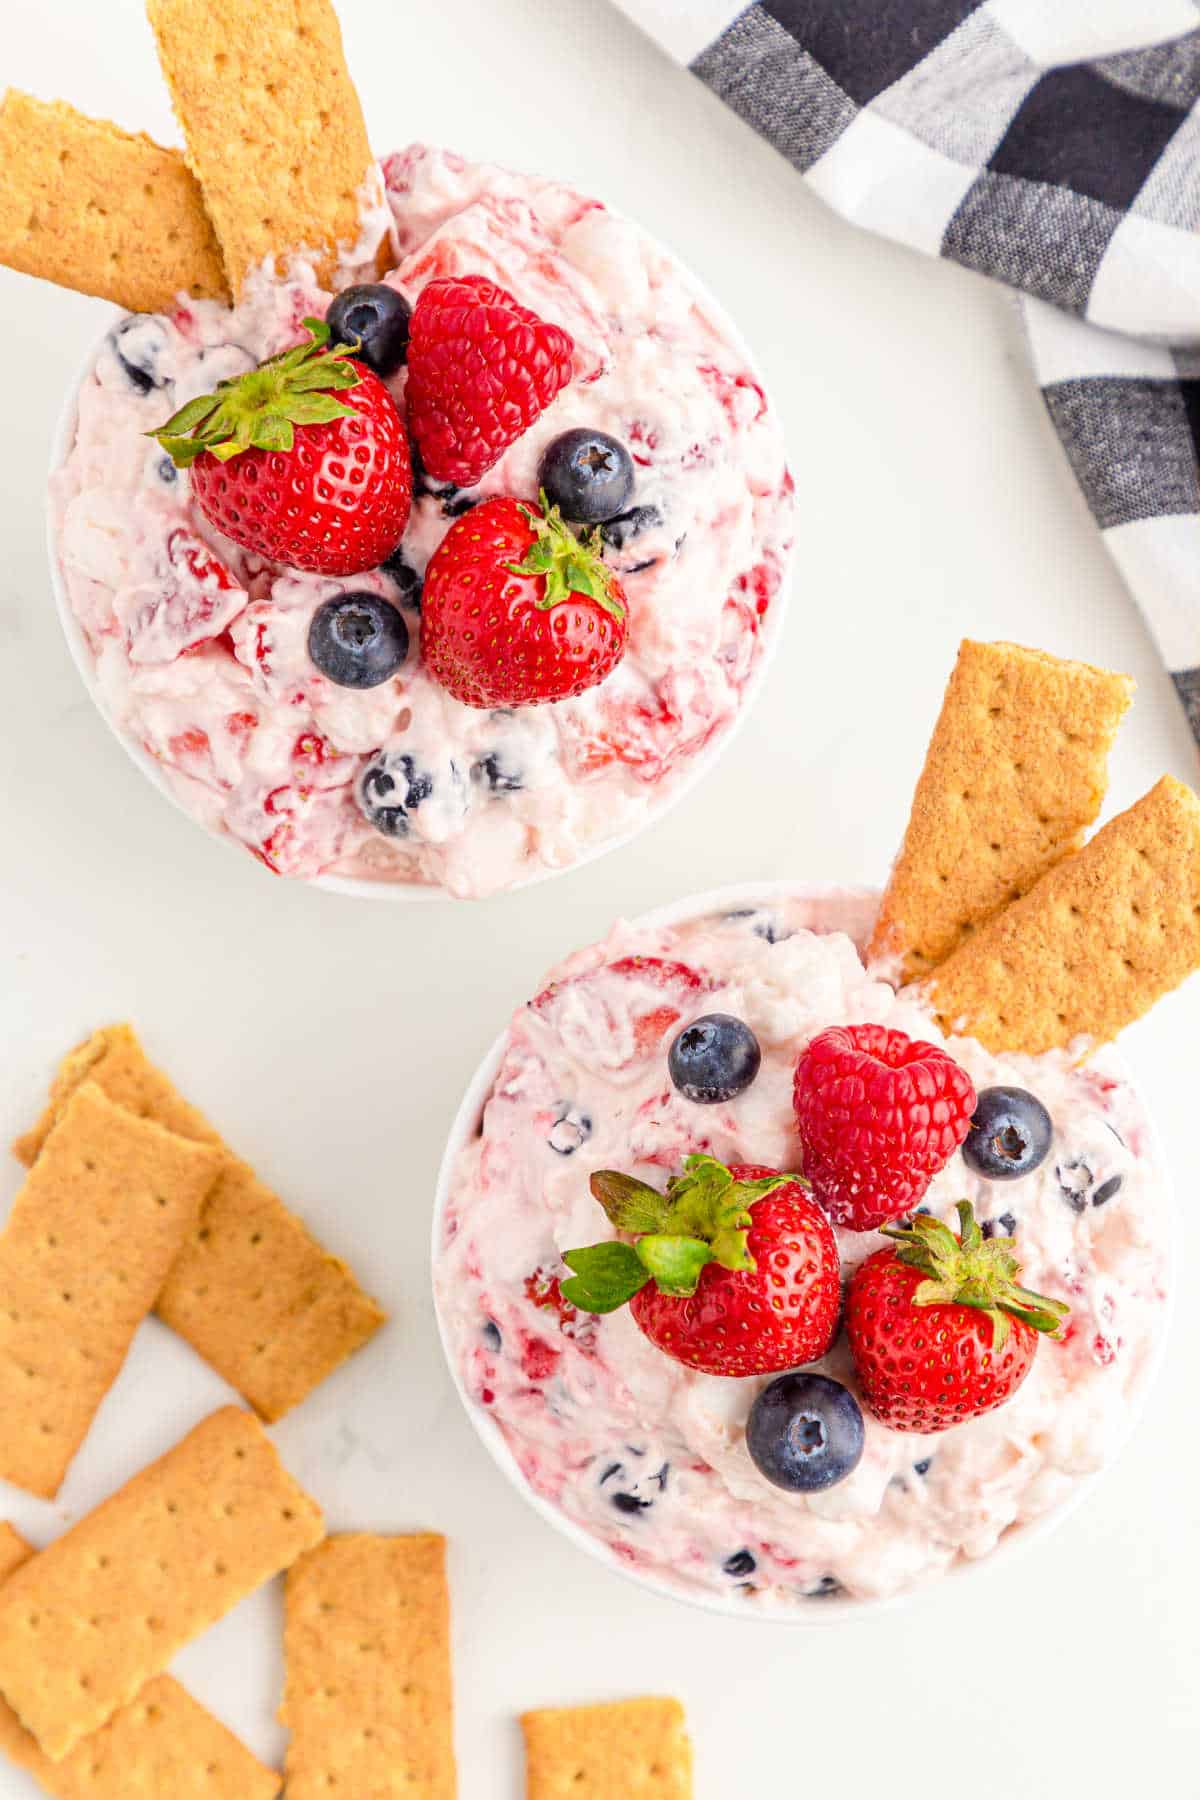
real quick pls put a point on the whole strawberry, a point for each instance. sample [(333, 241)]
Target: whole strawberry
[(939, 1328), (291, 472), (516, 610), (879, 1115), (481, 369), (734, 1270)]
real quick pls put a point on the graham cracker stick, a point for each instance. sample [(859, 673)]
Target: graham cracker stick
[(162, 1746), (273, 125), (1097, 941), (252, 1290), (369, 1699), (1015, 773), (86, 1624), (101, 210), (634, 1747), (92, 1234)]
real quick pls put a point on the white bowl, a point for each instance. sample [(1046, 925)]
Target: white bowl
[(835, 1609), (60, 447)]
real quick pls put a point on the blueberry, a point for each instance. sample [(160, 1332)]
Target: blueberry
[(358, 640), (828, 1584), (398, 569), (571, 1129), (631, 1499), (714, 1058), (618, 532), (1005, 1226), (166, 471), (456, 502), (492, 1337), (923, 1467), (495, 772), (1010, 1134), (739, 1564), (765, 925), (805, 1432), (1080, 1188), (138, 343), (378, 318), (390, 789), (587, 475), (1075, 1180)]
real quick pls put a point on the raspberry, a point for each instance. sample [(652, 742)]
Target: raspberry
[(879, 1115), (481, 369)]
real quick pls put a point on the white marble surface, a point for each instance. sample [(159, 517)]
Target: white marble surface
[(331, 1039)]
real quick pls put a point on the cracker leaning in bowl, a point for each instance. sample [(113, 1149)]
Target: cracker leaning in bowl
[(465, 591), (705, 1127)]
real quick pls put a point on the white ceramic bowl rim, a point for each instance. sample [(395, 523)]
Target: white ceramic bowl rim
[(821, 1612), (770, 633)]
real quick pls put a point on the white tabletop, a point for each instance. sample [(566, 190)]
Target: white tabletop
[(330, 1039)]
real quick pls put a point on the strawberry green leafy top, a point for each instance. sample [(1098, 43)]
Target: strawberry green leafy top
[(702, 1218), (971, 1270), (570, 564), (260, 410)]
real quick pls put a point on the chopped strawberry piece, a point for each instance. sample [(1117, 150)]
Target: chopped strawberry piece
[(191, 554), (544, 1291), (641, 997), (197, 602), (539, 1359)]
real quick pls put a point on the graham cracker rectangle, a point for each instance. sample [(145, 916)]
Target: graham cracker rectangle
[(252, 1290), (1015, 773), (102, 1216), (85, 1625), (114, 1059), (633, 1747), (369, 1696), (273, 125), (1096, 942), (162, 1746), (256, 1295), (105, 211)]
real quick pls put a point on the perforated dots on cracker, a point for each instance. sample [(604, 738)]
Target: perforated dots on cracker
[(251, 1290), (637, 1749), (162, 1746), (1015, 773), (1096, 942), (84, 1625), (273, 125), (369, 1699), (91, 1237), (105, 211)]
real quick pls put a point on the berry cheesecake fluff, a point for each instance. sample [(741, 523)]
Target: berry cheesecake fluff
[(449, 579), (770, 1390)]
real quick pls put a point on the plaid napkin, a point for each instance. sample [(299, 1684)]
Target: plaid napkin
[(1052, 144)]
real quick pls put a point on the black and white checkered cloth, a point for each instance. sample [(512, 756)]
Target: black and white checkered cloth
[(1052, 144)]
